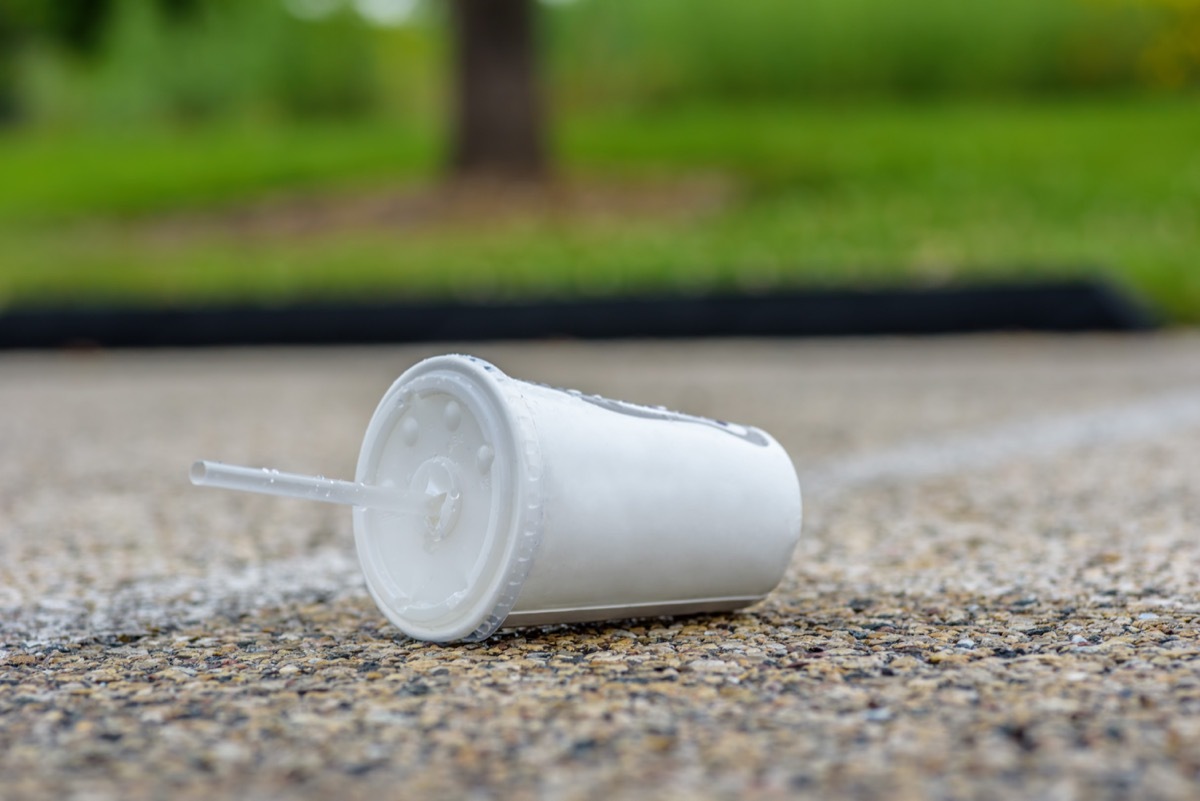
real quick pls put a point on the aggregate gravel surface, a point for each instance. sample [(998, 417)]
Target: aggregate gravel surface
[(996, 595)]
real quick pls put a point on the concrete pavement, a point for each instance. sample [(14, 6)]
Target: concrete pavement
[(997, 593)]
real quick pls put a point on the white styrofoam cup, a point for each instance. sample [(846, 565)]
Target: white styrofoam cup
[(540, 505)]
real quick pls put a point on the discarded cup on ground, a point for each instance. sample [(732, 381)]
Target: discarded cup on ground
[(483, 501)]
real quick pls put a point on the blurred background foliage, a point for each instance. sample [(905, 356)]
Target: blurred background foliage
[(116, 62), (855, 140)]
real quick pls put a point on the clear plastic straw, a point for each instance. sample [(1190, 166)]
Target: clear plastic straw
[(294, 485)]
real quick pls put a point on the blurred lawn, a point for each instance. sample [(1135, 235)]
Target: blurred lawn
[(877, 193), (851, 141)]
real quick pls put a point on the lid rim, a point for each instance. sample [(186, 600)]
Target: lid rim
[(516, 535)]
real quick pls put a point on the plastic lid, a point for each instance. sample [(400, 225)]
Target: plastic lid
[(453, 435)]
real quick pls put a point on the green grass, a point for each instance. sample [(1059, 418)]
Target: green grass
[(874, 194), (49, 178)]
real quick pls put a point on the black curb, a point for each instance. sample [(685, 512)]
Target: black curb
[(1059, 307)]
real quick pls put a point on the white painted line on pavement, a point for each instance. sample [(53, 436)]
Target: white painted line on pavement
[(171, 603), (1029, 440)]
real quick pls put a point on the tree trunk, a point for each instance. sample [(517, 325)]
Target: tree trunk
[(499, 124)]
